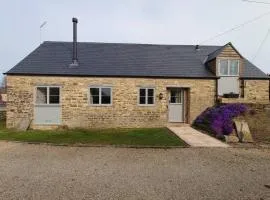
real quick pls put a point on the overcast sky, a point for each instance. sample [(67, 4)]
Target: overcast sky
[(133, 21)]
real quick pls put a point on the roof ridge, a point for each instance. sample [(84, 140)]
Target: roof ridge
[(221, 47), (130, 43)]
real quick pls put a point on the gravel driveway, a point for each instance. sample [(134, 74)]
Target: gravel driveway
[(50, 172)]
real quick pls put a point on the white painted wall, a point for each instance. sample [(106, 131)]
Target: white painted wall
[(228, 84)]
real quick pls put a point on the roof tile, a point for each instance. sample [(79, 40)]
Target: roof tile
[(116, 59)]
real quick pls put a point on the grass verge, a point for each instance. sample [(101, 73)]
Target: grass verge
[(131, 137)]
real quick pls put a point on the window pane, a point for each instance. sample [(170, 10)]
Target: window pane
[(142, 100), (223, 67), (94, 100), (106, 91), (94, 91), (105, 100), (105, 95), (176, 95), (151, 92), (174, 92), (178, 99), (41, 96), (54, 95), (234, 67), (173, 99), (150, 100), (143, 92), (142, 96), (54, 91), (94, 95), (54, 99)]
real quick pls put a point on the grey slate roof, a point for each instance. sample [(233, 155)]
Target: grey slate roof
[(116, 59), (214, 54), (251, 71)]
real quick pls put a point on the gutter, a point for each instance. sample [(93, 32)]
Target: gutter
[(108, 76), (254, 78)]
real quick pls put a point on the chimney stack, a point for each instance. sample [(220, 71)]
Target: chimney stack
[(75, 62)]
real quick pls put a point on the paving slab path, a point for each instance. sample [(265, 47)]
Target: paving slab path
[(195, 138)]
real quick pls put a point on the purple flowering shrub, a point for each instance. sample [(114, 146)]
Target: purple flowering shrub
[(218, 120)]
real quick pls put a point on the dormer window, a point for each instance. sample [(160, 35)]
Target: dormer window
[(228, 67)]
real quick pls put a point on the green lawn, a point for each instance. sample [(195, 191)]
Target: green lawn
[(133, 137)]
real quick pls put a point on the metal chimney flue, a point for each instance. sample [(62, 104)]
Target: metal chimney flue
[(75, 62)]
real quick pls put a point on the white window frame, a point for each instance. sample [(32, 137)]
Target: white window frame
[(229, 67), (146, 96), (48, 95), (99, 96)]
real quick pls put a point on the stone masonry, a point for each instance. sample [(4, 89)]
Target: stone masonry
[(257, 91), (124, 111)]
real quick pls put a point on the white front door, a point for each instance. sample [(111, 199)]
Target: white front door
[(176, 108)]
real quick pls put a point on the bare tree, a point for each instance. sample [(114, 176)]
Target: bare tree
[(3, 85), (4, 82)]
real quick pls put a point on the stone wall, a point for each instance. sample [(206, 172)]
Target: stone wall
[(124, 112), (256, 91), (259, 108)]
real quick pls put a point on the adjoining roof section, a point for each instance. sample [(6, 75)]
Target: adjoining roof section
[(251, 71), (215, 54)]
